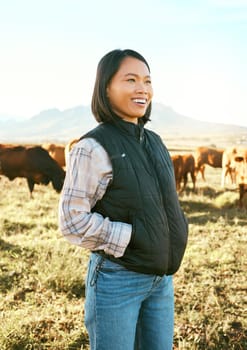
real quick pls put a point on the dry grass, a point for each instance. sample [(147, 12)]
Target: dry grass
[(42, 275)]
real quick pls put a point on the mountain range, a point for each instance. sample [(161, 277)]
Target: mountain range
[(54, 125)]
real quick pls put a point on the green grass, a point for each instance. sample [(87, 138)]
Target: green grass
[(42, 275)]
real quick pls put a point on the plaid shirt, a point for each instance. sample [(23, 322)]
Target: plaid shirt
[(88, 174)]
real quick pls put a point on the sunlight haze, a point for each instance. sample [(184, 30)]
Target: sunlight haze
[(196, 50)]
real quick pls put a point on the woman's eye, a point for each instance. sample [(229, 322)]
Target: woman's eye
[(132, 80), (148, 82)]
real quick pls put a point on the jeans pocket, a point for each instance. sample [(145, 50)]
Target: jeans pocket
[(111, 266), (88, 274), (93, 269)]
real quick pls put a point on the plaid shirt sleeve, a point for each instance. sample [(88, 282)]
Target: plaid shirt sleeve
[(88, 174)]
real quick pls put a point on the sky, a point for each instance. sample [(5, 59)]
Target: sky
[(196, 49)]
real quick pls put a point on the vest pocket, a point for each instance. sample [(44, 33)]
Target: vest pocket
[(140, 239)]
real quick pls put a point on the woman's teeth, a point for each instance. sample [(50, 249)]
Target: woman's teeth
[(139, 100)]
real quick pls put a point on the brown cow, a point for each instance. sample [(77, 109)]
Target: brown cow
[(178, 168), (209, 156), (242, 195), (33, 163), (229, 165), (184, 165), (188, 168), (234, 164), (57, 152), (240, 166)]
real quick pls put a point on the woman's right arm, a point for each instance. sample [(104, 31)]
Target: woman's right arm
[(88, 174)]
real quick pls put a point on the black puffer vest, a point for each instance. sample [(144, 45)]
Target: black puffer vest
[(142, 193)]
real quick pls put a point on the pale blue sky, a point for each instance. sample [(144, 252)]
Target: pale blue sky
[(197, 51)]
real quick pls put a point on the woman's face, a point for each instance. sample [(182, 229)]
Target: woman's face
[(130, 90)]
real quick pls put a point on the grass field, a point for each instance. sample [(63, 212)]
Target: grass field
[(42, 275)]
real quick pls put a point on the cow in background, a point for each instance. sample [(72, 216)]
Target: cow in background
[(242, 195), (229, 165), (178, 169), (188, 168), (234, 165), (57, 152), (240, 166), (207, 156), (33, 163), (183, 165)]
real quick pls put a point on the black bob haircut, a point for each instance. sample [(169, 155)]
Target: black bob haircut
[(107, 68)]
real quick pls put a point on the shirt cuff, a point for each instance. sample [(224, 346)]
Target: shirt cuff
[(119, 238)]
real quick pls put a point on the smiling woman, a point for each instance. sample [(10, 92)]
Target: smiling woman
[(130, 93), (119, 201), (123, 88)]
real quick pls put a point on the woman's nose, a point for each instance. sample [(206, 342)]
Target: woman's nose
[(141, 87)]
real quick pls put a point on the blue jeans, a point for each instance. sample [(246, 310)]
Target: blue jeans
[(126, 310)]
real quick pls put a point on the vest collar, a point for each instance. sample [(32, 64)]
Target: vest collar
[(135, 130)]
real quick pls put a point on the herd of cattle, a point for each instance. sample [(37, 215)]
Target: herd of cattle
[(47, 163), (232, 160)]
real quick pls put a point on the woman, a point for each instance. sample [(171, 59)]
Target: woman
[(119, 200)]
